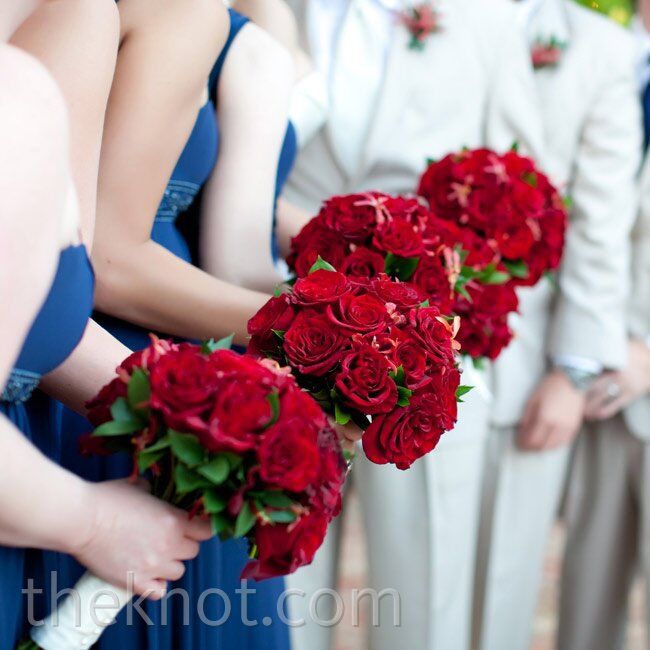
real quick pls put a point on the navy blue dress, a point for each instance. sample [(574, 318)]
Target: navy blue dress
[(202, 622), (54, 334)]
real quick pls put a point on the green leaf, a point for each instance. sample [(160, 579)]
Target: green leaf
[(403, 396), (431, 161), (121, 411), (213, 502), (340, 415), (147, 458), (277, 292), (530, 178), (188, 481), (348, 456), (233, 459), (517, 269), (515, 146), (117, 428), (282, 516), (552, 278), (274, 401), (216, 471), (400, 267), (463, 292), (491, 276), (139, 390), (279, 333), (220, 524), (399, 376), (479, 363), (210, 346), (321, 265), (568, 202), (161, 444), (426, 303), (276, 499), (187, 448), (462, 390), (245, 520)]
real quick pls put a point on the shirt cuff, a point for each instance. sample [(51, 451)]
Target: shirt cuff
[(583, 364)]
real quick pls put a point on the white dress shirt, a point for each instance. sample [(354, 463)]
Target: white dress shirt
[(358, 66), (527, 10)]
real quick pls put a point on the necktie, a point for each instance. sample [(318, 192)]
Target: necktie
[(357, 75)]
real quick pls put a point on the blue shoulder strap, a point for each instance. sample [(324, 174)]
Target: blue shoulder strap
[(237, 21)]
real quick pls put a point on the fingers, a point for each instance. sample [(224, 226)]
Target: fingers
[(534, 437), (197, 529), (188, 550), (352, 432), (173, 571), (609, 408), (151, 589)]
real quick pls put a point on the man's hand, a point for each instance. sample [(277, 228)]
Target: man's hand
[(553, 414), (613, 391)]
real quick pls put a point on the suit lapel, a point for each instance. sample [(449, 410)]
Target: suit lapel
[(401, 78)]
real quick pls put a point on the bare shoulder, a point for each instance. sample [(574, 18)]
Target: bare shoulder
[(198, 23)]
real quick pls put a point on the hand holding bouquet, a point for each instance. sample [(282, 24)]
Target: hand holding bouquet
[(373, 352), (222, 436)]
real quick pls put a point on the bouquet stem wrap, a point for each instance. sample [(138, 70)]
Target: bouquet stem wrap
[(80, 620)]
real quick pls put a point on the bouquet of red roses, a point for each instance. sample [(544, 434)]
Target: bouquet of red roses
[(227, 437), (368, 235), (507, 202), (374, 353)]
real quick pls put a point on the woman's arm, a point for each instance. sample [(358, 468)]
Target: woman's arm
[(168, 48), (34, 177), (239, 201), (77, 42), (112, 528)]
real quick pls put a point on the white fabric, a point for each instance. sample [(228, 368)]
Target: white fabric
[(643, 51), (592, 120), (521, 495), (526, 10), (309, 106), (638, 414), (471, 85)]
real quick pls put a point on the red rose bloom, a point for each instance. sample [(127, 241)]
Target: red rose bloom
[(183, 385), (404, 295), (432, 278), (399, 237), (429, 327), (363, 263), (315, 240), (277, 314), (284, 549), (364, 382), (314, 344), (289, 456), (99, 408), (364, 314), (405, 434), (320, 287), (353, 217)]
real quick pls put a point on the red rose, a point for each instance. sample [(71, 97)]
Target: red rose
[(406, 434), (99, 408), (353, 216), (432, 278), (435, 334), (313, 344), (325, 494), (316, 240), (364, 314), (364, 383), (514, 238), (398, 237), (297, 403), (241, 413), (404, 295), (410, 355), (183, 386), (283, 549), (363, 263), (277, 314), (320, 287), (289, 456)]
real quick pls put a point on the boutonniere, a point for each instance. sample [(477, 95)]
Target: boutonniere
[(547, 53), (421, 20)]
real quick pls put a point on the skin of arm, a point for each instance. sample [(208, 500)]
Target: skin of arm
[(239, 200), (77, 42), (137, 279)]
